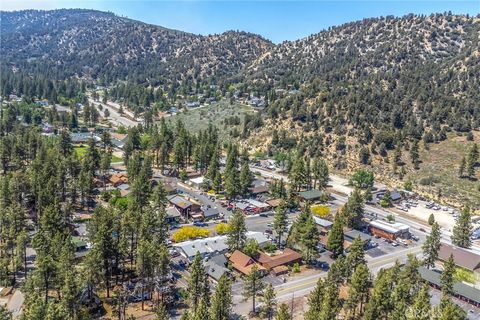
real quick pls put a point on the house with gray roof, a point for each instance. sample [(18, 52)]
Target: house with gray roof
[(216, 266)]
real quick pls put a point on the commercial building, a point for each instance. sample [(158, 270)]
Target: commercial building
[(310, 195), (463, 258), (389, 231), (460, 290), (213, 245)]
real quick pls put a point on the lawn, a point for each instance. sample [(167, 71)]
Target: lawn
[(82, 150), (216, 114)]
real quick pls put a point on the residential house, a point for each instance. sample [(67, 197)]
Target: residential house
[(118, 139), (351, 235), (213, 245), (216, 266), (118, 179), (183, 205), (243, 263), (209, 212), (278, 263), (173, 215), (273, 203)]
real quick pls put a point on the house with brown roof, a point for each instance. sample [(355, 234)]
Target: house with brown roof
[(118, 179), (278, 263), (463, 258), (243, 263), (274, 202)]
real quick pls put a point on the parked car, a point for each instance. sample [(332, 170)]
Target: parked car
[(173, 253), (200, 224), (323, 265)]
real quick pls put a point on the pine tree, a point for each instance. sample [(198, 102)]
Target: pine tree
[(462, 167), (283, 312), (414, 155), (446, 278), (269, 302), (162, 313), (315, 300), (447, 310), (196, 284), (421, 308), (252, 286), (297, 174), (330, 303), (359, 285), (335, 236), (309, 240), (222, 300), (462, 231), (280, 220), (354, 209), (201, 312), (356, 255), (379, 305), (246, 180), (431, 246), (236, 236)]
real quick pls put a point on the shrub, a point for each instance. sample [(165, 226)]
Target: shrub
[(221, 228), (189, 232), (296, 268), (270, 247), (321, 211)]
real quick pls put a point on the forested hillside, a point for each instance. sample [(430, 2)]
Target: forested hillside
[(375, 92), (101, 45)]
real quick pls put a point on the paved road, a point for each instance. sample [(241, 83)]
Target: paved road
[(338, 184), (302, 287), (115, 117)]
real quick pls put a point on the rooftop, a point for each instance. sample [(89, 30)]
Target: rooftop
[(322, 222), (286, 257), (463, 258), (214, 244), (389, 227), (459, 288), (179, 201), (354, 234), (312, 194)]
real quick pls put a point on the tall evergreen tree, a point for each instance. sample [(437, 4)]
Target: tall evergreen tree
[(196, 284), (236, 236), (269, 302), (421, 308), (447, 276), (283, 312), (280, 220), (462, 231), (335, 236), (222, 300), (431, 246), (253, 286)]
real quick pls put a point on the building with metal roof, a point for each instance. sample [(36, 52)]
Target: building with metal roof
[(213, 245), (460, 290)]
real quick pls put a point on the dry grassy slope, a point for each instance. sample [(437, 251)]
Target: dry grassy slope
[(440, 162)]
